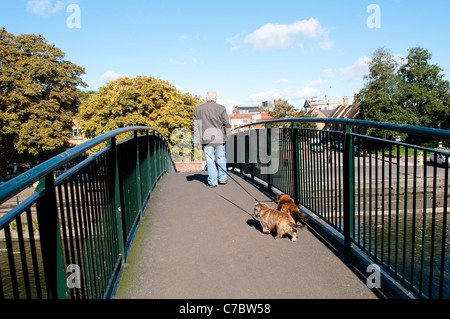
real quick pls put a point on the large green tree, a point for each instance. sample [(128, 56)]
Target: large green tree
[(37, 97), (413, 93), (378, 98), (142, 100), (423, 91)]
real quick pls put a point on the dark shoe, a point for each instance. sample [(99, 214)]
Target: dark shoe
[(212, 186), (222, 182)]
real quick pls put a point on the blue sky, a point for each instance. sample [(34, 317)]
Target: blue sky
[(248, 51)]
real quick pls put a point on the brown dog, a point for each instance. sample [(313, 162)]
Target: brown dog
[(287, 204), (274, 220)]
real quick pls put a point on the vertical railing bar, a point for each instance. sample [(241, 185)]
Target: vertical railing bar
[(383, 184), (102, 220), (376, 202), (358, 237), (341, 181), (70, 231), (337, 181), (329, 169), (107, 227), (89, 238), (23, 257), (397, 215), (138, 175), (433, 228), (348, 186), (63, 228), (34, 254), (12, 264), (2, 293), (321, 177), (370, 203), (99, 276), (84, 236), (422, 262), (50, 238), (95, 225), (414, 209), (405, 215), (390, 210), (444, 228), (77, 230)]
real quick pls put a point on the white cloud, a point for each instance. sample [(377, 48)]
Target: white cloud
[(235, 48), (45, 7), (447, 68), (111, 76), (356, 71), (284, 36), (282, 80)]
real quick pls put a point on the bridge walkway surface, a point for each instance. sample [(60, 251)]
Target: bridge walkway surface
[(196, 242)]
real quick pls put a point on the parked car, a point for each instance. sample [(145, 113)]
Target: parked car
[(315, 145), (336, 145), (360, 150), (440, 157)]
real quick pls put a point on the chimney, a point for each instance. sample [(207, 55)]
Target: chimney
[(345, 100)]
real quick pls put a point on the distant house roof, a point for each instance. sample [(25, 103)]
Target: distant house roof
[(345, 112)]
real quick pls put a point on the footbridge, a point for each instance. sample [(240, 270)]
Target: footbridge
[(123, 223)]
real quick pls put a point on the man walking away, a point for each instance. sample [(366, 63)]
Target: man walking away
[(211, 128)]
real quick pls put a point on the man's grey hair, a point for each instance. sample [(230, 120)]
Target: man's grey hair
[(211, 96)]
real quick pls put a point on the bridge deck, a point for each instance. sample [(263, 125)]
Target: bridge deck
[(197, 242)]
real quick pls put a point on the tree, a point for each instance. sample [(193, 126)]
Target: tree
[(423, 91), (142, 100), (284, 110), (37, 97), (379, 98)]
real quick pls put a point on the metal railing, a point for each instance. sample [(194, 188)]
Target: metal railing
[(69, 238), (383, 198)]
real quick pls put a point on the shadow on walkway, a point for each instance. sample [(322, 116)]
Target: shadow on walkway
[(198, 242)]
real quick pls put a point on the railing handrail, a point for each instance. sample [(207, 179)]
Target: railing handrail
[(27, 178), (427, 131)]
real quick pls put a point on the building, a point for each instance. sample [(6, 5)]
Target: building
[(238, 119), (341, 111), (325, 104), (76, 138), (242, 115)]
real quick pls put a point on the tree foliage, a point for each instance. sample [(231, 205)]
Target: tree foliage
[(422, 91), (411, 93), (37, 96), (283, 110), (142, 100)]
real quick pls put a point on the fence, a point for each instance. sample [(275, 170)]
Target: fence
[(70, 237), (383, 197)]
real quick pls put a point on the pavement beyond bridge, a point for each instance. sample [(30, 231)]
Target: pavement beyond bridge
[(195, 242)]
